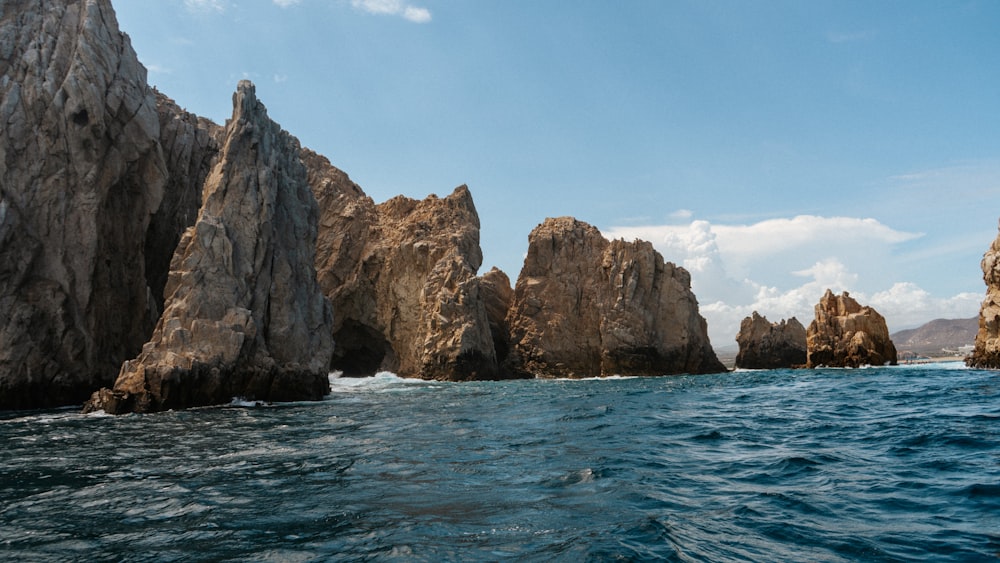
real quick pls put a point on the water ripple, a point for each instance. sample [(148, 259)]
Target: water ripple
[(890, 464)]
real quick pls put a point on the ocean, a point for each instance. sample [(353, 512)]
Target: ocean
[(880, 464)]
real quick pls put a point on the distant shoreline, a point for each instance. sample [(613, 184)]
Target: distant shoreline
[(937, 360)]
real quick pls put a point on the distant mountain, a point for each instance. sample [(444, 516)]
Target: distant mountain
[(936, 336)]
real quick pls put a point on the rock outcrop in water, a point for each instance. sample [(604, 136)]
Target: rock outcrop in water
[(845, 334), (402, 278), (81, 172), (986, 353), (585, 306), (766, 345), (244, 313)]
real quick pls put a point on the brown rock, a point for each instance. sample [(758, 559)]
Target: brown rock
[(80, 174), (986, 353), (765, 345), (845, 334), (584, 306), (402, 278), (244, 314)]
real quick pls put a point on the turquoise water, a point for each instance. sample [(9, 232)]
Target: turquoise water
[(887, 464)]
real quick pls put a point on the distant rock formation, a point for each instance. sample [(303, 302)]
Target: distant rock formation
[(402, 278), (81, 172), (986, 353), (766, 345), (244, 313), (845, 334), (585, 306)]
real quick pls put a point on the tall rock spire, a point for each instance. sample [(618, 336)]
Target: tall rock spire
[(244, 315)]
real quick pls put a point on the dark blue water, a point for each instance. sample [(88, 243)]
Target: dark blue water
[(893, 464)]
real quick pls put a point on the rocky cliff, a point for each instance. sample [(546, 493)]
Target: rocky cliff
[(585, 306), (244, 314), (81, 172), (402, 278), (766, 345), (845, 334), (986, 353)]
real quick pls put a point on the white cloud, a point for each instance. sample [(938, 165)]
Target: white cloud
[(907, 305), (279, 78), (781, 268), (205, 5), (286, 3), (393, 8)]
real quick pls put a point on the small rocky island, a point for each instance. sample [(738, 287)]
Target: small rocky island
[(845, 334), (766, 345), (151, 259)]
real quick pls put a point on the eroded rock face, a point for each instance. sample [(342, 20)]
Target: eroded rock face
[(244, 314), (845, 334), (402, 278), (766, 345), (585, 306), (986, 353), (81, 172), (189, 144)]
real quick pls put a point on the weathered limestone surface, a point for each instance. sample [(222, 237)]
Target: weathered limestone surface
[(766, 345), (845, 334), (986, 353), (244, 313), (585, 306), (402, 278), (81, 172)]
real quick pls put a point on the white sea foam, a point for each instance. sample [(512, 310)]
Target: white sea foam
[(598, 378), (383, 381), (241, 402)]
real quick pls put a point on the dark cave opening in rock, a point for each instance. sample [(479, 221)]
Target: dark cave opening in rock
[(358, 350)]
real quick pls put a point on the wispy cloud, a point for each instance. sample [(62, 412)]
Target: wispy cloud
[(286, 3), (218, 6), (393, 8)]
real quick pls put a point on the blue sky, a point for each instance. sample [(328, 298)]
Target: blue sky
[(773, 148)]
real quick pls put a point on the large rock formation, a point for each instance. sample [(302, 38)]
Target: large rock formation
[(986, 353), (585, 306), (402, 278), (81, 172), (845, 334), (766, 345), (244, 313)]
